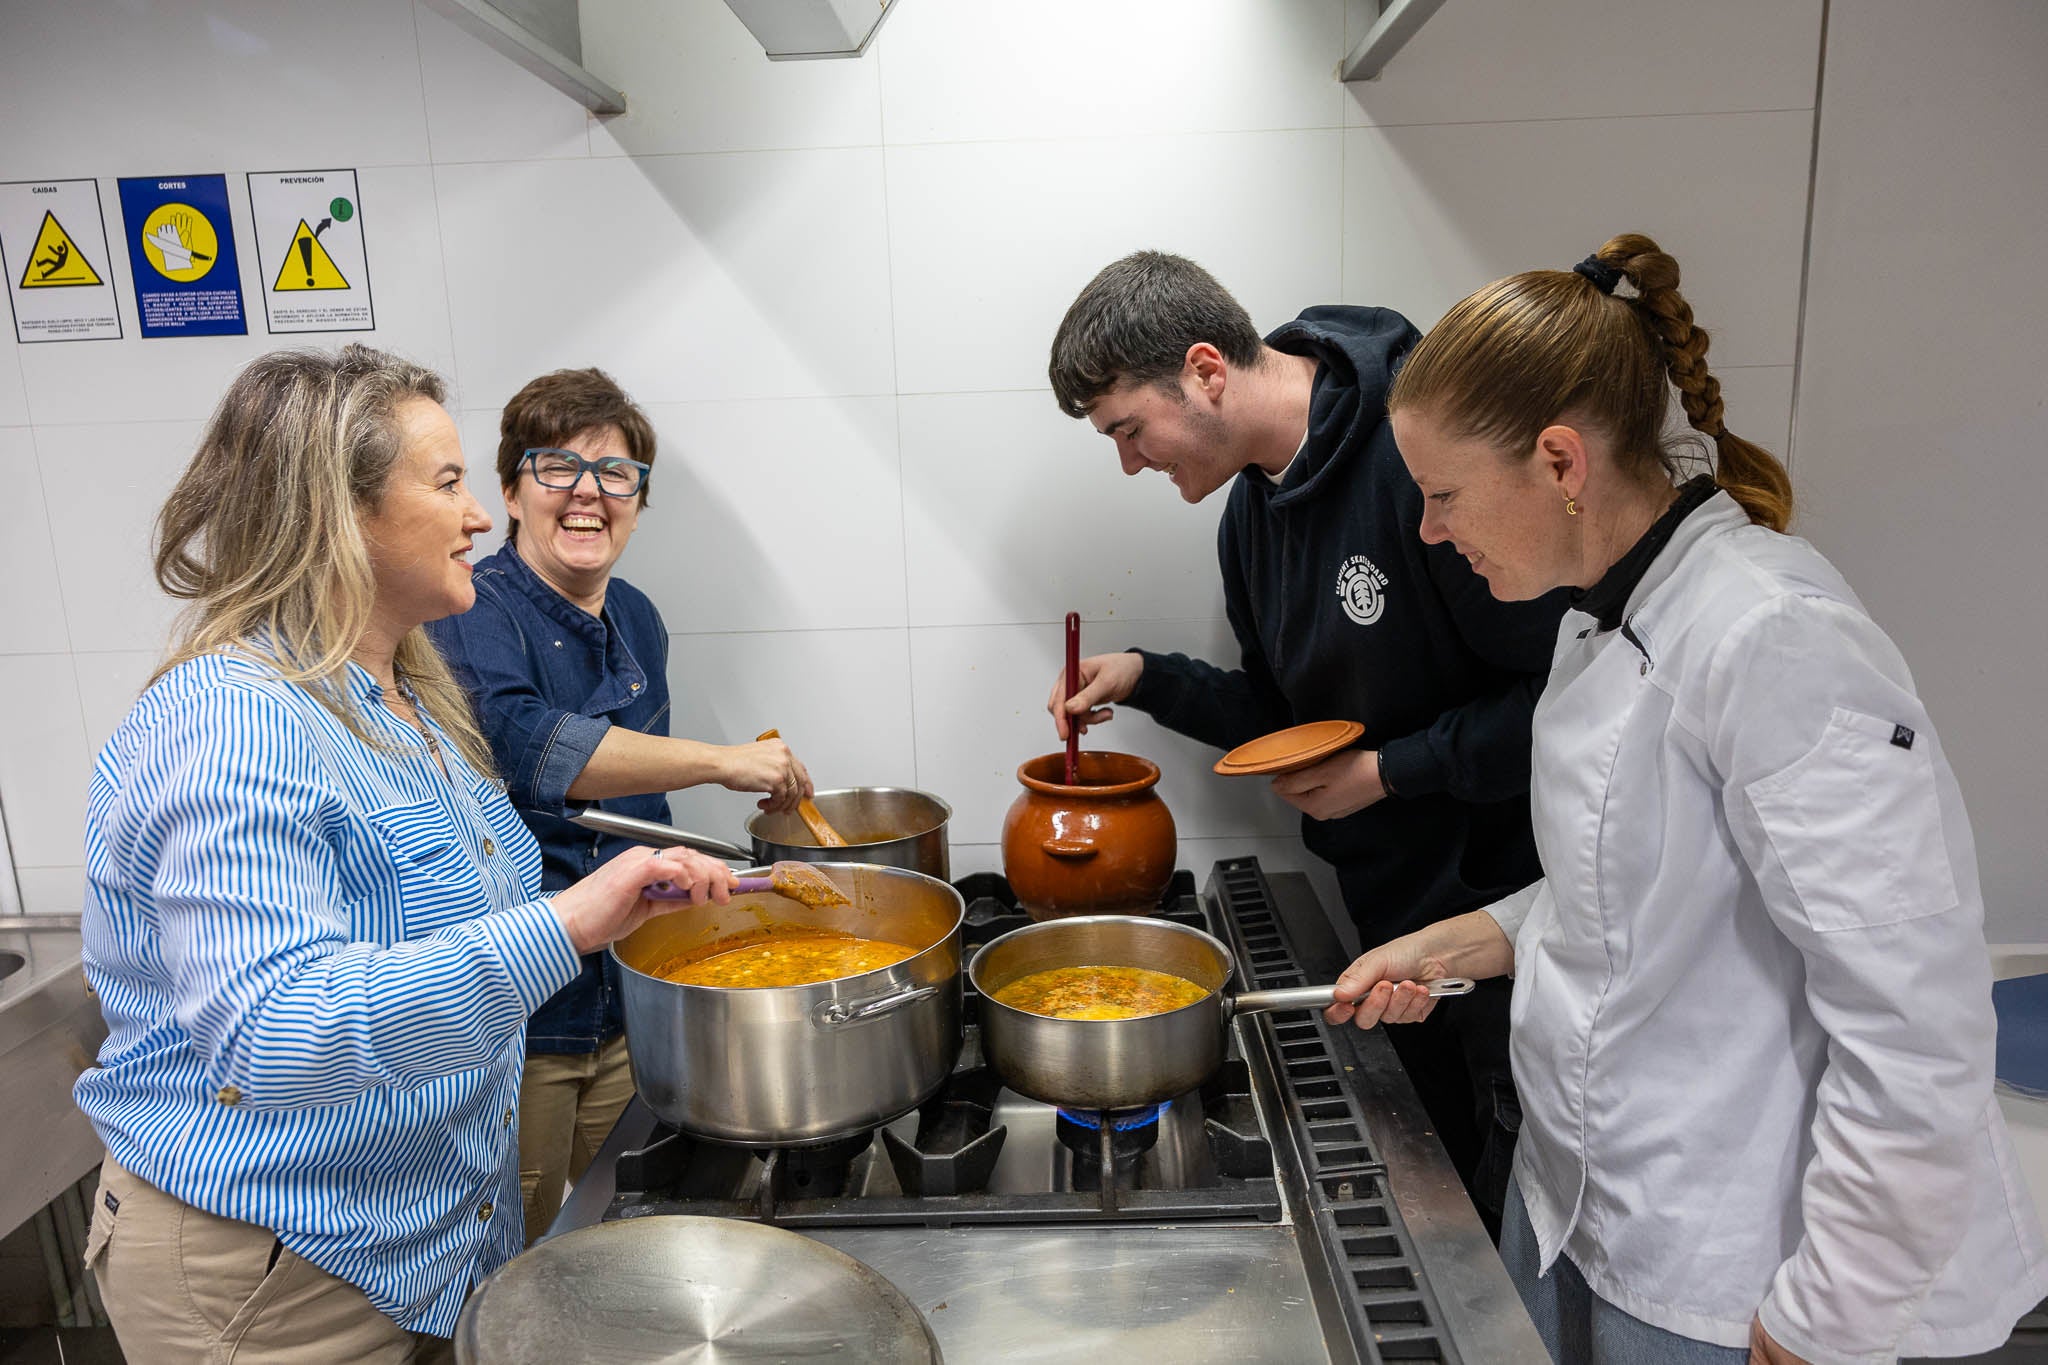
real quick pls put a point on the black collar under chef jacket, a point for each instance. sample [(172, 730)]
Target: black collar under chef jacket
[(1606, 600)]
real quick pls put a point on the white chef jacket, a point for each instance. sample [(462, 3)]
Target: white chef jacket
[(1752, 1006)]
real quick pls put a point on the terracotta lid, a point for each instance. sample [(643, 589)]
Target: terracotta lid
[(1285, 750)]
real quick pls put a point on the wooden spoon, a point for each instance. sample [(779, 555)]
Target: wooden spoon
[(813, 819), (799, 881)]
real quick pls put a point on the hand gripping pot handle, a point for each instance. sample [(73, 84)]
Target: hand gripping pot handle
[(831, 1014), (1320, 997)]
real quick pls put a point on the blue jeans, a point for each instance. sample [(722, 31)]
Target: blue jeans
[(1577, 1325)]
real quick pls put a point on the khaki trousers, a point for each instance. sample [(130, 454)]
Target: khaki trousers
[(568, 1103), (181, 1284)]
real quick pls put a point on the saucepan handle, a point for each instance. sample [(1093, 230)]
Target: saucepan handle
[(656, 834), (1321, 997), (1291, 998), (844, 1013)]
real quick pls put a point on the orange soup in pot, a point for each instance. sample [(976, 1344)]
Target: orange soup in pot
[(781, 956), (1099, 993)]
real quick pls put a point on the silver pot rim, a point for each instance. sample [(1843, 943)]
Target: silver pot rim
[(1054, 926), (952, 934), (945, 814)]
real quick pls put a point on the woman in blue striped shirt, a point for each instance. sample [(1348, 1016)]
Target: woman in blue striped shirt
[(314, 921)]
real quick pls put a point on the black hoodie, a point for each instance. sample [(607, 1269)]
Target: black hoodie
[(1344, 614)]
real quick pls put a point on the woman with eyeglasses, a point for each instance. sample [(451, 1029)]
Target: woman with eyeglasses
[(314, 923), (567, 666)]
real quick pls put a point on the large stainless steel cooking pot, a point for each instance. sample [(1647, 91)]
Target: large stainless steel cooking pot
[(789, 1065), (1121, 1063), (671, 1288), (893, 826)]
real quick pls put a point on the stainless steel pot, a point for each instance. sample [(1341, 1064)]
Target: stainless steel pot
[(892, 826), (668, 1288), (791, 1065), (1121, 1063)]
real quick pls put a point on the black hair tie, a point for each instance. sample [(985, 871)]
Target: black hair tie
[(1603, 275)]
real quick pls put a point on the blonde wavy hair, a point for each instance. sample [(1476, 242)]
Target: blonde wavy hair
[(1511, 359), (263, 534)]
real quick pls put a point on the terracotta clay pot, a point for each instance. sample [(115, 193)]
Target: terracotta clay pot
[(1104, 846)]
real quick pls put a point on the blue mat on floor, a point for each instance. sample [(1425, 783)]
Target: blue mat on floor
[(2022, 1006)]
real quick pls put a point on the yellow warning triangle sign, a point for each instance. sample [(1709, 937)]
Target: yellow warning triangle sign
[(307, 265), (56, 261)]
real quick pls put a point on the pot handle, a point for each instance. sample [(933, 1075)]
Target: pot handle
[(1073, 850), (832, 1014), (1321, 997), (1291, 998), (655, 833)]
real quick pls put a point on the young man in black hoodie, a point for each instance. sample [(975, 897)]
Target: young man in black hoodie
[(1342, 613)]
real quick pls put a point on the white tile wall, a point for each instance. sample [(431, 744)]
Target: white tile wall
[(696, 81), (1083, 69), (737, 276), (1587, 59), (155, 87), (841, 698), (1432, 213), (51, 890), (13, 396), (1073, 534), (35, 621), (102, 538), (44, 763), (1920, 423), (480, 105), (990, 242), (834, 285), (774, 515)]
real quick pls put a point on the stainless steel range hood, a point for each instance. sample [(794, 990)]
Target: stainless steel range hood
[(802, 30)]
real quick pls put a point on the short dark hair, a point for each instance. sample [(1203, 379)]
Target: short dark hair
[(1136, 320), (561, 406)]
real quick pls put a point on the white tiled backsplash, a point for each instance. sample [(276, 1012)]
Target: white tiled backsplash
[(833, 285)]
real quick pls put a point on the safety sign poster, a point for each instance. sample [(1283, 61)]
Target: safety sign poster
[(181, 246), (53, 246), (309, 250)]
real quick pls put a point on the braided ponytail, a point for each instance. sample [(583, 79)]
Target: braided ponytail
[(1572, 346), (1750, 474)]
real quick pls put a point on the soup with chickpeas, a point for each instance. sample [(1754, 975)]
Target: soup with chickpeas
[(1099, 993)]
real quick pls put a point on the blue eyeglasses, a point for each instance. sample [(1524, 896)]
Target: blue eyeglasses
[(617, 476)]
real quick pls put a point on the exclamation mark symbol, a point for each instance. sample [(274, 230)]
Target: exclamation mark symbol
[(306, 255)]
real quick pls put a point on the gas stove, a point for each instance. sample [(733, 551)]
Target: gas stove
[(1293, 1208), (977, 1152)]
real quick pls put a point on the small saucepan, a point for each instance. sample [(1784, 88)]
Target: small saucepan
[(1100, 1064)]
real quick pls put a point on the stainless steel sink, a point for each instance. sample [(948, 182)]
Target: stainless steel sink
[(50, 1030)]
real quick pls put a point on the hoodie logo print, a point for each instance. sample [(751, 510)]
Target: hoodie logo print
[(1359, 588)]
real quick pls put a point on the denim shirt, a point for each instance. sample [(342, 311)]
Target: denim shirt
[(548, 679)]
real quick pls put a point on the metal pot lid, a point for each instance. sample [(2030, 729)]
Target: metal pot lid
[(675, 1288)]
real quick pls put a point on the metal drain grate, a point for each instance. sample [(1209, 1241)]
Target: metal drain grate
[(1370, 1264)]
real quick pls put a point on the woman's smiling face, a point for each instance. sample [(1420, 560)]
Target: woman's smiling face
[(572, 537), (1504, 514)]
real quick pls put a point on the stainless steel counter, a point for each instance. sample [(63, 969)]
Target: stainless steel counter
[(50, 1030)]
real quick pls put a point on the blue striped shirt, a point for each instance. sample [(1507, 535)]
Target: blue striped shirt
[(315, 961)]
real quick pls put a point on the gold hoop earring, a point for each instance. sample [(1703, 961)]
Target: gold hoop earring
[(1571, 506)]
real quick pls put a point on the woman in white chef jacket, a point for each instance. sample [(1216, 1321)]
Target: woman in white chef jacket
[(1752, 1011)]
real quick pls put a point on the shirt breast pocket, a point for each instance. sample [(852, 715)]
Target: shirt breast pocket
[(439, 882), (1856, 822)]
